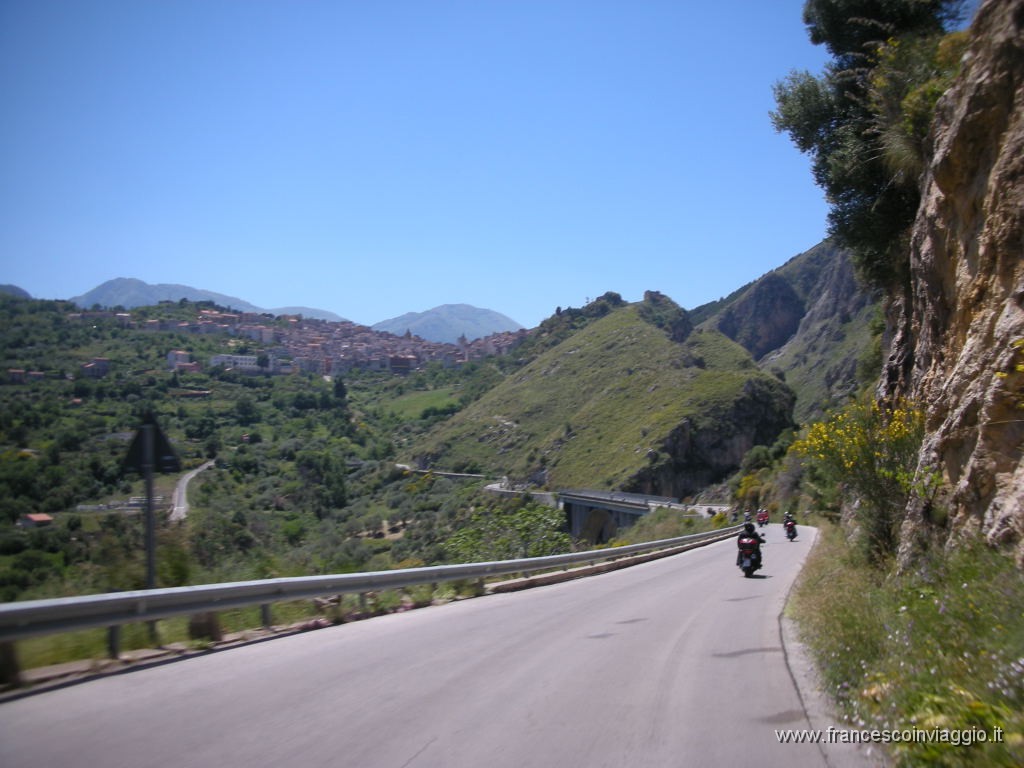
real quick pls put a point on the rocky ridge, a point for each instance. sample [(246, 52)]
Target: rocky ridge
[(809, 322), (958, 344)]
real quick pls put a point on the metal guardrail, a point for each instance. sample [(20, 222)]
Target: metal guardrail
[(30, 618)]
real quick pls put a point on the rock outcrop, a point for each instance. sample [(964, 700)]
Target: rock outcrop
[(808, 322), (697, 455), (820, 360), (958, 347), (765, 317)]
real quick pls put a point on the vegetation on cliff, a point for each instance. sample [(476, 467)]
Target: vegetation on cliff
[(865, 120)]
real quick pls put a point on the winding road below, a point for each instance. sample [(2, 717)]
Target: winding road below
[(179, 509), (676, 662)]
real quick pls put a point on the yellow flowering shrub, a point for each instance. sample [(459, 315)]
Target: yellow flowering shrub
[(870, 451)]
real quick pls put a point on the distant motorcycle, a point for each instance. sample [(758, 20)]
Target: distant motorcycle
[(762, 518), (791, 530)]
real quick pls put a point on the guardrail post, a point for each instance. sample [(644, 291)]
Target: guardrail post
[(114, 641), (265, 615), (205, 626), (10, 673)]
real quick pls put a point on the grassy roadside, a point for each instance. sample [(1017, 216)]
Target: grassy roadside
[(939, 648), (91, 644), (48, 650), (665, 523)]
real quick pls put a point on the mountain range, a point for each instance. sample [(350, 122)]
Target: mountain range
[(446, 323), (129, 293)]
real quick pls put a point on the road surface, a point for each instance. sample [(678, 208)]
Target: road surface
[(677, 662), (179, 510)]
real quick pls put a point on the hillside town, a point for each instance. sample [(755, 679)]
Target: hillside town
[(290, 344)]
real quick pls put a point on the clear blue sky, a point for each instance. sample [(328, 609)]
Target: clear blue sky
[(377, 158)]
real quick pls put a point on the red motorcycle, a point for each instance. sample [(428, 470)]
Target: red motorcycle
[(791, 530), (750, 555), (762, 518)]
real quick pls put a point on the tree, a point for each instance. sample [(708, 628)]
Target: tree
[(532, 530), (246, 411), (323, 481), (842, 118), (340, 391), (850, 29)]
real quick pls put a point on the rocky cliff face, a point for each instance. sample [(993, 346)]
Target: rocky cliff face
[(820, 360), (765, 317), (809, 322), (959, 341), (701, 452)]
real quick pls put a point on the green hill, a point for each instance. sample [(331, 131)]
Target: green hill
[(619, 403)]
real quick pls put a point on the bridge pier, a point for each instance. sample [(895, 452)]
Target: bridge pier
[(597, 516)]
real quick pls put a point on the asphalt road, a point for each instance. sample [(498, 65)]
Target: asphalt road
[(179, 509), (677, 662)]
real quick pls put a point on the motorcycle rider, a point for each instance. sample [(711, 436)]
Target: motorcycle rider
[(749, 532)]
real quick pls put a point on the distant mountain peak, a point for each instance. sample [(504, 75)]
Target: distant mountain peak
[(130, 292), (13, 290), (448, 323)]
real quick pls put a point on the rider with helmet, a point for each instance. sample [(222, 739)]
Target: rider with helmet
[(749, 532)]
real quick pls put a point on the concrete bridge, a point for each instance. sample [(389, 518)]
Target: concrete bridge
[(596, 516)]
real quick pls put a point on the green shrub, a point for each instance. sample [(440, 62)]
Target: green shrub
[(941, 647)]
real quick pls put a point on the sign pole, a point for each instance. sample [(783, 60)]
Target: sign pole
[(151, 450), (147, 466)]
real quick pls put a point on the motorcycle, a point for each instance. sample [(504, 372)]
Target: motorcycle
[(749, 559), (762, 519), (791, 530)]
